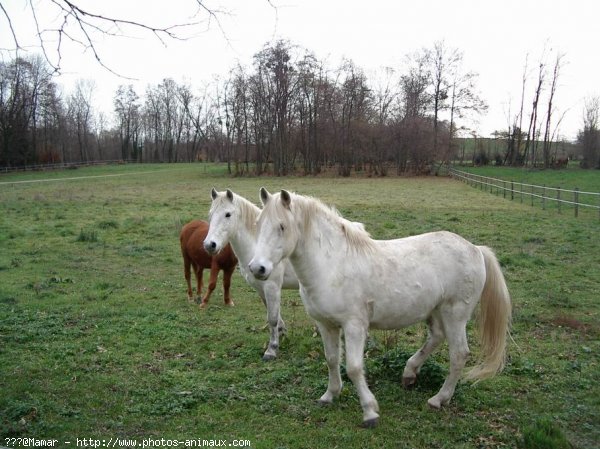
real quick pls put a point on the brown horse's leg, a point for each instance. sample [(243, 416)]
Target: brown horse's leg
[(212, 283), (199, 272), (186, 273), (226, 284)]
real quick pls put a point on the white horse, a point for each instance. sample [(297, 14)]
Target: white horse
[(351, 282), (233, 220)]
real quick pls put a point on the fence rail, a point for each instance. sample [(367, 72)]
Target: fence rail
[(545, 195), (60, 165)]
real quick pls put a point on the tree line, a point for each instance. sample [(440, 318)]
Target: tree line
[(286, 112)]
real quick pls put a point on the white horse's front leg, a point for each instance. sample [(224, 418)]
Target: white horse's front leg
[(331, 344), (272, 294), (355, 333)]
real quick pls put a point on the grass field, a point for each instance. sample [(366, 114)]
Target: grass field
[(97, 339), (571, 178)]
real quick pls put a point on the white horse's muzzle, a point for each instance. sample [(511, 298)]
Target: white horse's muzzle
[(211, 247), (260, 269)]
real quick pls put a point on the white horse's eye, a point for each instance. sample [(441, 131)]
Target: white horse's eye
[(228, 214), (282, 227)]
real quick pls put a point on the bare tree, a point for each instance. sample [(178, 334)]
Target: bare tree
[(355, 103), (238, 102), (514, 136), (464, 100), (385, 113), (413, 136), (517, 158), (278, 82), (26, 90), (153, 123), (128, 120), (80, 113), (310, 107), (589, 136), (191, 113), (444, 61), (532, 132), (547, 133)]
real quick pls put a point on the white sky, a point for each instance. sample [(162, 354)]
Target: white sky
[(495, 37)]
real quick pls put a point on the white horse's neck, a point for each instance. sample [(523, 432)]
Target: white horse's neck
[(243, 240), (322, 237)]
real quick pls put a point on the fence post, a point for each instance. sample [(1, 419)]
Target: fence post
[(512, 190), (504, 189), (521, 184), (576, 201), (532, 195), (544, 197), (558, 201)]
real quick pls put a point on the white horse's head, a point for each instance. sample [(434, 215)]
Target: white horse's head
[(224, 218), (277, 233)]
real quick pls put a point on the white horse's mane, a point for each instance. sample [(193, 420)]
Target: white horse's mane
[(355, 234)]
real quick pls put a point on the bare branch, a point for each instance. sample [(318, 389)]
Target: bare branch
[(79, 25), (12, 30)]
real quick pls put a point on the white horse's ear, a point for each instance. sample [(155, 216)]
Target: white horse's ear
[(286, 198), (214, 194), (264, 195), (230, 195)]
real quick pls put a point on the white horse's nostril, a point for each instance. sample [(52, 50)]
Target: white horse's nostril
[(259, 271), (210, 247)]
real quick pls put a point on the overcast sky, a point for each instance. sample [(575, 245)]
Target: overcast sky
[(495, 37)]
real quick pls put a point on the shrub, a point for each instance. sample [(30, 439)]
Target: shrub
[(391, 364)]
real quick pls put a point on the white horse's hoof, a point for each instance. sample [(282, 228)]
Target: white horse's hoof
[(370, 423), (269, 357), (409, 382), (326, 399), (436, 403)]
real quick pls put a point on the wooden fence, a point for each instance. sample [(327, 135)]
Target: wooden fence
[(546, 197)]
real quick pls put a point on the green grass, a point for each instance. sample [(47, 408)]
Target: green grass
[(97, 339)]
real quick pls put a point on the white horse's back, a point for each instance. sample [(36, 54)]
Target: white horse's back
[(410, 277)]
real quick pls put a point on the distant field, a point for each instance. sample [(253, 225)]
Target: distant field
[(97, 339)]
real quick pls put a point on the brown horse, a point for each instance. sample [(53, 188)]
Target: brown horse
[(192, 237)]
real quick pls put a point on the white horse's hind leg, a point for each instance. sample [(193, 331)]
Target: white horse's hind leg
[(331, 344), (355, 334), (435, 335), (456, 335)]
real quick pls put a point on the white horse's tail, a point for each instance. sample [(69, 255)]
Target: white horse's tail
[(494, 319)]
